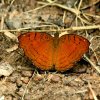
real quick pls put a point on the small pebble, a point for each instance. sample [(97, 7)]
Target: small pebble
[(25, 79), (27, 96), (54, 78), (27, 73), (14, 98), (14, 77), (19, 82), (20, 92), (8, 97), (5, 68), (38, 77)]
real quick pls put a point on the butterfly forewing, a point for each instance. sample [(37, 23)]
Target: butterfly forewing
[(38, 48)]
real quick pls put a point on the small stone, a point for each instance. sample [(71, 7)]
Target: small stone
[(54, 78), (8, 97), (14, 77), (14, 98), (27, 73), (27, 96), (20, 92), (2, 97), (5, 68), (38, 77), (25, 79), (19, 82)]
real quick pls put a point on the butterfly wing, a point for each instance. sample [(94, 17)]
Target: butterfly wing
[(70, 49), (38, 48)]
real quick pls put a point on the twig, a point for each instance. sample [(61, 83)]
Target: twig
[(4, 16), (83, 20), (80, 3), (94, 49), (54, 30), (94, 66), (95, 16), (50, 1), (97, 59), (45, 5), (81, 91), (96, 36), (85, 27), (8, 8), (80, 18), (94, 3), (64, 16), (75, 11), (27, 87), (2, 23), (93, 93)]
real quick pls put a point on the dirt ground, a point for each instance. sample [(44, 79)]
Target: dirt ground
[(19, 78)]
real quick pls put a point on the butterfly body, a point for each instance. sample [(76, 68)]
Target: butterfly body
[(48, 52)]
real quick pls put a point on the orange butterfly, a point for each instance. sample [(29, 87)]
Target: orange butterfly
[(47, 52)]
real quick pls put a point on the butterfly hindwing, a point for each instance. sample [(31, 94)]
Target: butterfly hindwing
[(70, 49)]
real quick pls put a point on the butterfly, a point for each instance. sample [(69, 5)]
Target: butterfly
[(47, 52)]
